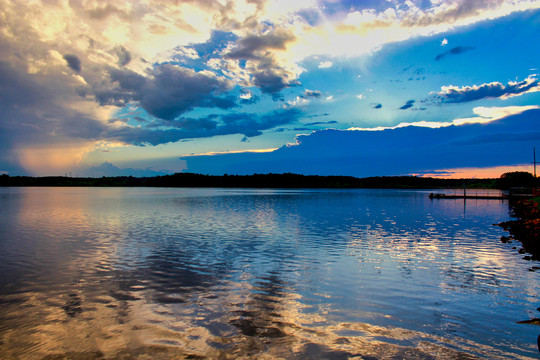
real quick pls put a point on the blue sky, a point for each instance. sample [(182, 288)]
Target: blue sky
[(378, 87)]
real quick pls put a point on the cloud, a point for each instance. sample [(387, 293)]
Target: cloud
[(454, 51), (108, 169), (321, 123), (489, 114), (484, 115), (259, 52), (304, 99), (174, 90), (298, 101), (408, 105), (171, 90), (254, 47), (460, 12), (73, 62), (42, 123), (311, 16), (48, 130), (124, 56), (371, 29), (389, 152), (325, 64), (68, 68), (105, 11), (312, 93), (455, 94), (248, 124), (248, 98)]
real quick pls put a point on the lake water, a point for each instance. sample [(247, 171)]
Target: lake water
[(146, 273)]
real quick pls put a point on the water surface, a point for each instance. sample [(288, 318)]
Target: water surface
[(241, 273)]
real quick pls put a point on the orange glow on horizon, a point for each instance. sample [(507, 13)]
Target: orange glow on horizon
[(480, 173)]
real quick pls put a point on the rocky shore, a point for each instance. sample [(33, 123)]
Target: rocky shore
[(526, 227)]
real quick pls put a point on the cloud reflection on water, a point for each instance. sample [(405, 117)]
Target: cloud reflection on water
[(261, 273)]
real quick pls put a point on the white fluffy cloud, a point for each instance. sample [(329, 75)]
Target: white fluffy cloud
[(325, 64), (484, 115), (456, 94)]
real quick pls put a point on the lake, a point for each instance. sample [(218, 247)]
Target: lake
[(160, 273)]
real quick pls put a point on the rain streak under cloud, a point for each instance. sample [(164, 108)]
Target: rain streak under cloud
[(145, 88)]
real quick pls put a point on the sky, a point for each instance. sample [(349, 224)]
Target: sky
[(446, 88)]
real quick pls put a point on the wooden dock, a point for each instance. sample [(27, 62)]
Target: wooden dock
[(467, 196)]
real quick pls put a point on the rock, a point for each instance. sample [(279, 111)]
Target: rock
[(533, 321)]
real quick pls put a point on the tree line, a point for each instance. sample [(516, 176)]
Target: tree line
[(287, 180)]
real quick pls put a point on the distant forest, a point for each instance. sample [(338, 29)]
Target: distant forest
[(287, 180)]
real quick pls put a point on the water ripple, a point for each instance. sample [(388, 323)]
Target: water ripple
[(216, 273)]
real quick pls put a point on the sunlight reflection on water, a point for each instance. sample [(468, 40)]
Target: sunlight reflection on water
[(217, 273)]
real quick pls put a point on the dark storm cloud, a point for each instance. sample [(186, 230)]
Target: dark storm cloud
[(73, 62), (253, 47), (166, 94), (33, 114), (454, 94), (454, 51), (174, 90), (219, 40), (246, 124), (123, 55), (408, 105), (129, 87), (270, 82), (18, 89), (312, 93), (321, 123), (127, 79), (390, 152), (170, 92), (267, 74), (30, 111)]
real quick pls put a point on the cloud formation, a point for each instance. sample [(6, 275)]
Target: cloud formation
[(164, 132), (171, 90), (408, 105), (69, 70), (397, 151), (456, 94), (108, 169), (73, 62)]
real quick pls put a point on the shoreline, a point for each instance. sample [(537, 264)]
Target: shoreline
[(526, 227)]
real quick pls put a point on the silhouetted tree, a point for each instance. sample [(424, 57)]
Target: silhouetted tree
[(517, 179)]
